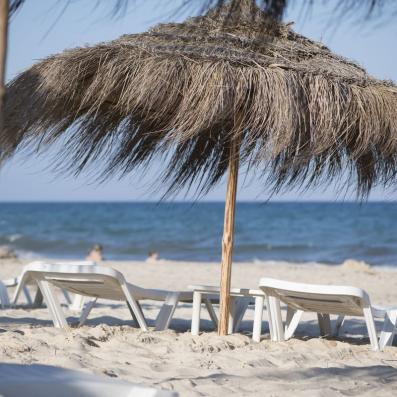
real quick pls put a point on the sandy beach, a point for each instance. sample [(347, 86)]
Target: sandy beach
[(245, 133), (209, 365)]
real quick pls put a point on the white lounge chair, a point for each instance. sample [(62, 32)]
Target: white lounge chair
[(37, 380), (240, 299), (23, 281), (323, 300), (103, 283)]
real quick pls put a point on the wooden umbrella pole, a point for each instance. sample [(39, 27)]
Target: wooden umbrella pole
[(227, 239), (4, 9)]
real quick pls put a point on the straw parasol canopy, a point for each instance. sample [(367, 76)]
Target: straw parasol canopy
[(231, 87)]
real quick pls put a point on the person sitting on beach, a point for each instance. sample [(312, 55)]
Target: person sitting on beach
[(152, 257), (95, 253)]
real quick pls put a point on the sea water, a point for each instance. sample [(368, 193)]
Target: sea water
[(299, 232)]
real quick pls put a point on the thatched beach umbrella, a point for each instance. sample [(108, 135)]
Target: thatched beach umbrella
[(232, 87)]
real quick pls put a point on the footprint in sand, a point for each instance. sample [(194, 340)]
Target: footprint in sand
[(91, 342), (212, 348), (147, 339), (110, 373)]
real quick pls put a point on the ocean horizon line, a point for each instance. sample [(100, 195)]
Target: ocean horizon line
[(315, 201)]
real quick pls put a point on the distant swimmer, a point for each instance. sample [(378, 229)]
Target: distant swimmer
[(7, 252), (152, 257), (96, 253)]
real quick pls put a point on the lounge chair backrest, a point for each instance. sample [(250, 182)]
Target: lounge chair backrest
[(87, 280), (325, 299), (35, 265)]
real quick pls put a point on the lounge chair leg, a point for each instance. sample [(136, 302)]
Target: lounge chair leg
[(196, 313), (27, 295), (231, 315), (78, 303), (140, 318), (53, 305), (257, 328), (369, 319), (324, 324), (20, 287), (339, 324), (86, 311), (211, 311), (389, 329), (167, 311), (293, 318), (132, 313), (4, 300), (275, 318), (135, 307), (66, 296), (272, 329)]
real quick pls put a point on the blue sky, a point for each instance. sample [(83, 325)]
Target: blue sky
[(36, 32)]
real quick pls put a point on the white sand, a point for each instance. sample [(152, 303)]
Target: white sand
[(209, 365)]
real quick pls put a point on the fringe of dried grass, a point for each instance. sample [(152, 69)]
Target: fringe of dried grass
[(115, 106)]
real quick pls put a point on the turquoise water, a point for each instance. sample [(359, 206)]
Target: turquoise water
[(303, 232)]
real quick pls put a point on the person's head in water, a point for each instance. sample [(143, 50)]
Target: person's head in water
[(152, 256), (95, 254)]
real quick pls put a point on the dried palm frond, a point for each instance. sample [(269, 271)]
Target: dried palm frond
[(300, 112), (363, 8)]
